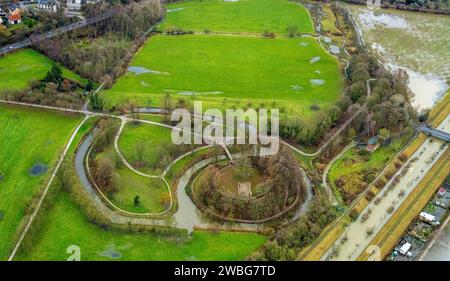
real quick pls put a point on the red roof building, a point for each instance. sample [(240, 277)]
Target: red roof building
[(14, 17)]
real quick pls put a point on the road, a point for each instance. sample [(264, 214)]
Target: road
[(359, 234), (54, 32)]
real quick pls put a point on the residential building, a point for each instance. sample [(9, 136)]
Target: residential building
[(76, 5), (15, 17), (48, 5)]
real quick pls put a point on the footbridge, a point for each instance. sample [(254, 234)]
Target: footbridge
[(426, 129)]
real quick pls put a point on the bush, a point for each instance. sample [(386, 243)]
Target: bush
[(353, 214)]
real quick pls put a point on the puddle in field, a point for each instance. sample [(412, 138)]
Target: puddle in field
[(326, 39), (318, 71), (38, 169), (314, 60), (174, 10), (304, 44), (1, 177), (111, 253), (142, 70), (192, 93), (317, 82), (371, 20), (144, 84), (296, 87), (1, 215), (335, 49)]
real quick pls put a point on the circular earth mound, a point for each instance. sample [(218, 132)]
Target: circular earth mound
[(250, 189)]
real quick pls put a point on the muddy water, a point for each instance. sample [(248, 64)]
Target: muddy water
[(440, 251), (403, 40)]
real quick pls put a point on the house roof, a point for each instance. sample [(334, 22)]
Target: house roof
[(15, 15), (441, 190), (373, 140)]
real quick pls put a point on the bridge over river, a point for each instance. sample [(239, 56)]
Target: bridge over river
[(426, 129)]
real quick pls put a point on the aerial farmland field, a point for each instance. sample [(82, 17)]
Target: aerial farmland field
[(223, 71), (31, 141), (17, 69), (255, 16), (99, 244), (234, 66)]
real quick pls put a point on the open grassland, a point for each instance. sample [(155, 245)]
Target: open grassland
[(392, 231), (240, 16), (29, 139), (18, 68), (66, 226), (142, 144), (128, 185), (226, 72)]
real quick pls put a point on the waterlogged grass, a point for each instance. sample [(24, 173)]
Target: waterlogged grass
[(18, 68), (227, 72), (66, 225), (240, 16), (27, 137)]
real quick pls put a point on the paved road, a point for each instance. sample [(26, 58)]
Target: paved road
[(357, 233)]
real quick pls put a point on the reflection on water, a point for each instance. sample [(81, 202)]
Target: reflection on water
[(440, 251)]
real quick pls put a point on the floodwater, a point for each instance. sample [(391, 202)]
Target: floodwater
[(412, 41), (440, 251)]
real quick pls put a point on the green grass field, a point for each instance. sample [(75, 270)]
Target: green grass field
[(150, 137), (129, 185), (242, 16), (66, 226), (228, 71), (149, 191), (27, 137), (18, 68)]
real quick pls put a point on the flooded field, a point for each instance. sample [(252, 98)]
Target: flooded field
[(417, 42)]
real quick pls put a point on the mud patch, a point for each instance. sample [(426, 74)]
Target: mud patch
[(111, 253), (314, 60), (38, 169), (317, 82)]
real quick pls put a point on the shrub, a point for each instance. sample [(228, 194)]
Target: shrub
[(353, 214)]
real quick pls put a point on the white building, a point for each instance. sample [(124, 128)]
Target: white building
[(48, 5), (76, 5), (404, 250)]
